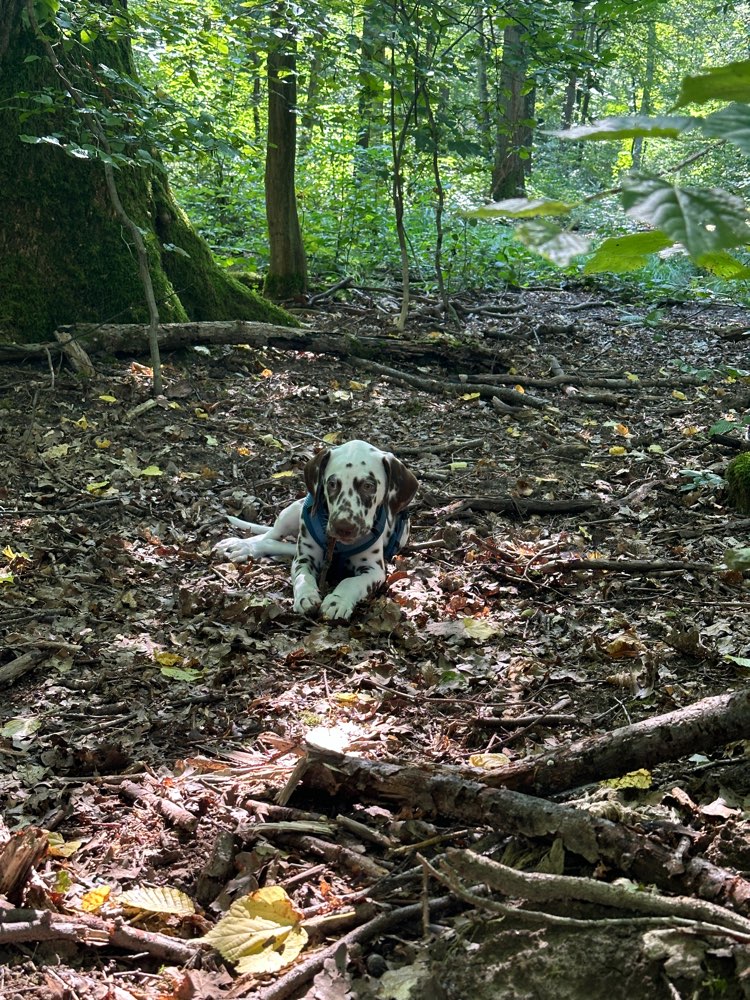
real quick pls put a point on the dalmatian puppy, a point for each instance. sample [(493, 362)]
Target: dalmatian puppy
[(354, 512)]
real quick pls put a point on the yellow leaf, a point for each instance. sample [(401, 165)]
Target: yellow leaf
[(56, 451), (58, 848), (244, 451), (108, 399), (94, 899), (519, 388), (622, 430), (656, 449), (166, 659), (617, 449), (11, 555), (489, 761), (82, 423), (634, 779), (513, 431), (158, 899), (357, 386), (200, 414), (103, 443), (260, 932), (151, 470), (678, 395), (266, 373), (7, 577), (690, 431), (332, 438), (470, 395), (96, 487), (174, 405), (458, 465), (283, 475), (631, 377), (480, 629)]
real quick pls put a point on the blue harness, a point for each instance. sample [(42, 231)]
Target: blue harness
[(317, 525)]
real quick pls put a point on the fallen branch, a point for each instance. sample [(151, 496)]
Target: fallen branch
[(702, 726), (18, 926), (23, 664), (520, 506), (18, 856), (647, 566), (173, 813), (543, 888), (594, 838)]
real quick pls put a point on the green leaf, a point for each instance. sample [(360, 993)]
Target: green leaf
[(723, 265), (722, 83), (520, 208), (703, 219), (547, 239), (627, 127), (732, 124), (619, 254)]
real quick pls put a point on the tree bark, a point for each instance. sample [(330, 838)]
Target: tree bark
[(63, 254), (703, 726), (445, 793), (513, 139), (287, 269)]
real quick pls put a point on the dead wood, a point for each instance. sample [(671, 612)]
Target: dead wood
[(441, 388), (729, 441), (446, 793), (520, 506), (17, 926), (702, 726), (172, 812), (23, 664), (647, 566), (22, 852), (543, 888), (132, 339), (78, 359)]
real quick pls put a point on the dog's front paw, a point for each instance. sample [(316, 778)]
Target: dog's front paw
[(306, 600), (236, 550), (338, 605)]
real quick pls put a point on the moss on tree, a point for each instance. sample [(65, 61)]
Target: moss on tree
[(737, 477), (64, 257)]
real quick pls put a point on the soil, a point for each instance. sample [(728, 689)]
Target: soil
[(144, 660)]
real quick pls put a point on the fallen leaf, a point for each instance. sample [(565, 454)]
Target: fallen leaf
[(158, 899), (261, 932)]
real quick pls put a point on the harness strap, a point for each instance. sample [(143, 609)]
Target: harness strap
[(317, 525)]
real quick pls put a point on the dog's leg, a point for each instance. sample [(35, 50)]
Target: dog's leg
[(306, 568), (369, 574), (270, 543)]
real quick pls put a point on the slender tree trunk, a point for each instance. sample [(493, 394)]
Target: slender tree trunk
[(511, 150), (308, 119), (483, 93), (648, 84), (287, 270), (371, 99), (64, 255), (571, 90)]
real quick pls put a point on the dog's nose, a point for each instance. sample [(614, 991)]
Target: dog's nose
[(344, 531)]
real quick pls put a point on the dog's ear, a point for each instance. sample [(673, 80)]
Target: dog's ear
[(401, 485), (314, 476)]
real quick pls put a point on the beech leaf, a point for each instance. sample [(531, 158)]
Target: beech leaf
[(261, 932), (158, 899)]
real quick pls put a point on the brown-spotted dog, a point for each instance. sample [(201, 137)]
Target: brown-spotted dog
[(357, 495)]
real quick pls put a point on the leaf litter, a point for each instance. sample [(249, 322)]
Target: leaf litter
[(157, 700)]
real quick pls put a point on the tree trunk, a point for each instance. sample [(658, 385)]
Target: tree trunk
[(312, 97), (370, 103), (577, 33), (513, 135), (63, 254), (287, 271), (648, 84)]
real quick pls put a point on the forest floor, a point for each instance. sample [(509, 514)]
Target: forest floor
[(156, 699)]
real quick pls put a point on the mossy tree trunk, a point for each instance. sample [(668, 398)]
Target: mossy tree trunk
[(287, 269), (64, 257)]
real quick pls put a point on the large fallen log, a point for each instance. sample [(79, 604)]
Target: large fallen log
[(700, 727), (132, 339), (447, 794)]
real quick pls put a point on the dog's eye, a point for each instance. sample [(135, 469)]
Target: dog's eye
[(333, 485), (368, 487)]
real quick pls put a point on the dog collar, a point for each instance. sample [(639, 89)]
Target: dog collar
[(317, 525)]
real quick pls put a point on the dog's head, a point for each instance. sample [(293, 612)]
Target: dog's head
[(354, 480)]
